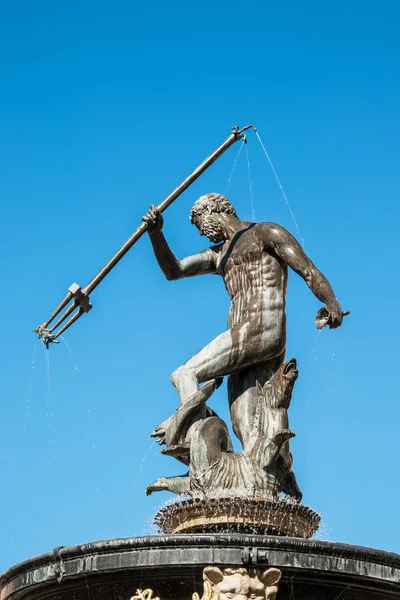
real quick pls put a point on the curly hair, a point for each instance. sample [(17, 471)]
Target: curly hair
[(211, 203)]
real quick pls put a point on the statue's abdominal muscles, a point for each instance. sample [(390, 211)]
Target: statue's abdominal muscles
[(256, 283)]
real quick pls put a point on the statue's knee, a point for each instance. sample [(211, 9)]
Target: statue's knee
[(173, 378), (183, 374), (177, 376)]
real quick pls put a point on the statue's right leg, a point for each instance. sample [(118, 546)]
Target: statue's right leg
[(235, 349), (241, 346)]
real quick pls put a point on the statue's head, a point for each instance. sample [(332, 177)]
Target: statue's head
[(206, 215)]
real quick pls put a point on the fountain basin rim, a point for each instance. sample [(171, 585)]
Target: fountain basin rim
[(265, 543)]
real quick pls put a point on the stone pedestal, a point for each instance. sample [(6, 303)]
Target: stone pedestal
[(172, 566), (238, 515)]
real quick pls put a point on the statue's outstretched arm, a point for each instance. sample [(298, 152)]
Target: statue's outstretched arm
[(173, 268), (290, 251)]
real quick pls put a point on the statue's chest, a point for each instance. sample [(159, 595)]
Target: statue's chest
[(245, 252)]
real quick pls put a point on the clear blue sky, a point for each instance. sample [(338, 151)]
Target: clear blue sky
[(105, 107)]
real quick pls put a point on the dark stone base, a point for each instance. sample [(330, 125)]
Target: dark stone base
[(172, 566)]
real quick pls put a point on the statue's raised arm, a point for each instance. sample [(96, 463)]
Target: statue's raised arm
[(173, 268)]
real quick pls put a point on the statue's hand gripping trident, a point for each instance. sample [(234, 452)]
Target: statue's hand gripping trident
[(154, 220)]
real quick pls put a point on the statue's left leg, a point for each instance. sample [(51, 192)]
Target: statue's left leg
[(243, 396)]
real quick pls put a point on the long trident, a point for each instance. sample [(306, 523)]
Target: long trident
[(78, 297)]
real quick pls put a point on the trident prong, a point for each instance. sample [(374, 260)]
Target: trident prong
[(45, 335), (49, 339), (41, 330), (79, 299)]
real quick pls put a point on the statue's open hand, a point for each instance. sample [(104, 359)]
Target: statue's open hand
[(153, 219), (330, 315)]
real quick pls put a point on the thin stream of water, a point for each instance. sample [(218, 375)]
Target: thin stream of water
[(253, 214), (147, 454), (50, 457), (282, 190), (70, 351), (78, 373), (29, 395), (233, 168), (316, 339)]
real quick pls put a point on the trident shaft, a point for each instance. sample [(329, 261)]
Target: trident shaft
[(78, 298)]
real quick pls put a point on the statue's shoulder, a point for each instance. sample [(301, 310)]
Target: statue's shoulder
[(270, 231), (213, 254), (270, 226)]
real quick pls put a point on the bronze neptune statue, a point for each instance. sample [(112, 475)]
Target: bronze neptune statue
[(255, 489), (253, 260)]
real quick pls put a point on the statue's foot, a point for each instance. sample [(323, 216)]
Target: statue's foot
[(205, 392), (198, 398)]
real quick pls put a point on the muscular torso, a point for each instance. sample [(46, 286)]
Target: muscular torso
[(254, 277)]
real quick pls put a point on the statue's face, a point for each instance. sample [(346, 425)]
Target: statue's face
[(240, 587), (211, 226)]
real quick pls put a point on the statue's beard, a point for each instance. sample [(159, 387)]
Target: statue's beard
[(212, 228)]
